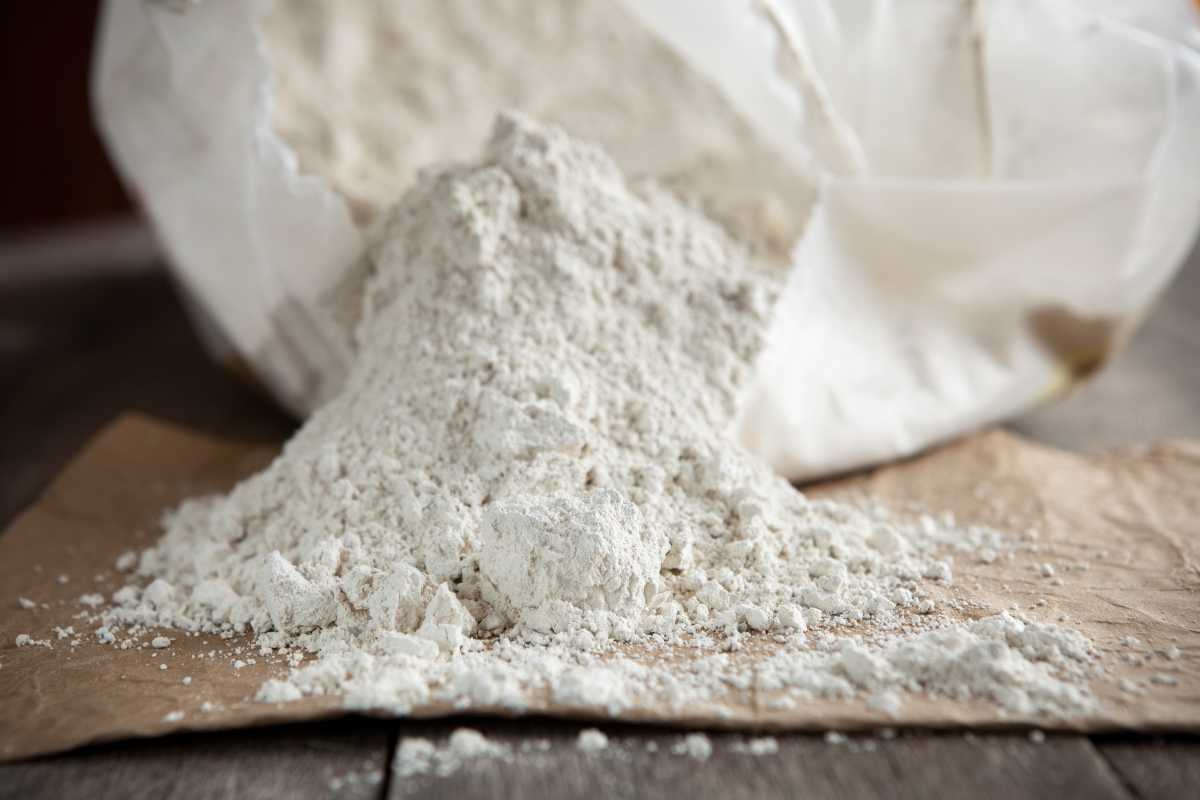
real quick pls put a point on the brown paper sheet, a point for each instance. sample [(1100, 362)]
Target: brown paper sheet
[(1133, 517)]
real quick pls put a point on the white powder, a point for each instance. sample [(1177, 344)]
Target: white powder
[(465, 748), (277, 692), (591, 740), (762, 746), (527, 474), (695, 745), (25, 640), (367, 777), (550, 561), (418, 756)]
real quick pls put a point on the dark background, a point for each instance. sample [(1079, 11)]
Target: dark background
[(54, 166)]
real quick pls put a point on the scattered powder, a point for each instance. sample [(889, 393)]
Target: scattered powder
[(160, 642), (26, 603), (886, 702), (25, 640), (418, 756), (277, 692), (762, 746), (126, 595), (367, 777), (592, 740), (694, 745), (525, 479)]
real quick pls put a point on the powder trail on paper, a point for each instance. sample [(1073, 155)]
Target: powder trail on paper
[(527, 476)]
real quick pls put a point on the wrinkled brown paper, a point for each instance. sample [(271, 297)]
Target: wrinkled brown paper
[(1132, 517)]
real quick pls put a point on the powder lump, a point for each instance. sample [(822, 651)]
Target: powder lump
[(420, 756), (591, 740), (695, 745)]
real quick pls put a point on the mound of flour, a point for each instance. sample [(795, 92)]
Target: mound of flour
[(527, 470)]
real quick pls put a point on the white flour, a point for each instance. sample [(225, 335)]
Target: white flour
[(591, 740), (420, 756), (526, 475)]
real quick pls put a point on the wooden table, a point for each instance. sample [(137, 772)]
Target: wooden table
[(76, 352)]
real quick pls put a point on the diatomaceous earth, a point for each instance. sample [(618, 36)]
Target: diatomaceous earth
[(525, 488)]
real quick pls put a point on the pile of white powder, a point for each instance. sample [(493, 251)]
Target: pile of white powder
[(525, 486)]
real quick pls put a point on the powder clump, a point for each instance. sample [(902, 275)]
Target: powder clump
[(544, 562)]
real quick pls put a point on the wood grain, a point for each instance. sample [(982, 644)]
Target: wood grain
[(332, 760), (74, 355), (1154, 768), (805, 766)]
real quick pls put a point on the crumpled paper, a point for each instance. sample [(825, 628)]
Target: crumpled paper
[(1005, 185), (1130, 518)]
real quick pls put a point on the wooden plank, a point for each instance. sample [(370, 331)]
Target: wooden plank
[(805, 766), (83, 352), (347, 761), (1153, 769)]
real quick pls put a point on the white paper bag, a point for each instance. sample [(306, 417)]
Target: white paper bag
[(1004, 187)]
